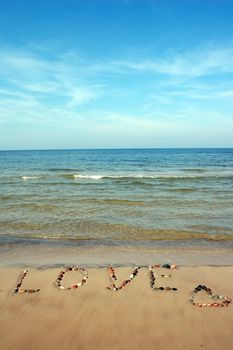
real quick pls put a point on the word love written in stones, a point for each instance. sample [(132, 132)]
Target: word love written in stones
[(214, 300)]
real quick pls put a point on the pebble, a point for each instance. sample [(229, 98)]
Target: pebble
[(173, 266), (166, 266)]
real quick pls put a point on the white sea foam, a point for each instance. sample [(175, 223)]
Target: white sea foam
[(155, 176), (159, 176), (29, 177), (93, 177)]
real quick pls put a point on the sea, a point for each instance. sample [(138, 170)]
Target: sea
[(116, 200)]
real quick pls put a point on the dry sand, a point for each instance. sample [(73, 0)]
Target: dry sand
[(135, 317)]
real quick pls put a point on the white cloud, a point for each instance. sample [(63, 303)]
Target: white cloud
[(196, 63), (107, 97), (35, 86)]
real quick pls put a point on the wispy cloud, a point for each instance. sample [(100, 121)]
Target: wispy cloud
[(34, 85), (176, 91), (201, 62), (33, 72)]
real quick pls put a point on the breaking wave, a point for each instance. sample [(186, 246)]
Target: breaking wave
[(155, 176), (30, 177), (162, 176)]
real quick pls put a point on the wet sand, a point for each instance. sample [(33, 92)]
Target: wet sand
[(136, 317)]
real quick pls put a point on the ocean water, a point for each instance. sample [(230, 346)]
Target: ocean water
[(128, 199)]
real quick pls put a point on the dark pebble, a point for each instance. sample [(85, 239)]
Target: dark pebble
[(166, 266)]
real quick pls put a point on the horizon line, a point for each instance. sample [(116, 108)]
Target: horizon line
[(106, 148)]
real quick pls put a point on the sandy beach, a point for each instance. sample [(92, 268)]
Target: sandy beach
[(116, 175), (135, 317)]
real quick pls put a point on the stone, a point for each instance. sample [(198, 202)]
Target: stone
[(173, 266), (166, 266), (215, 297)]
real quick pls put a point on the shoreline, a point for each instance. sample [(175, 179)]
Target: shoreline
[(94, 257)]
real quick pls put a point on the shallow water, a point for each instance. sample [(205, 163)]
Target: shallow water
[(131, 199)]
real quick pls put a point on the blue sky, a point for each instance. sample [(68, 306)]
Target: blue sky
[(120, 73)]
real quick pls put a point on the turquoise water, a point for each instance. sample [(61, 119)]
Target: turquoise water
[(138, 198)]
